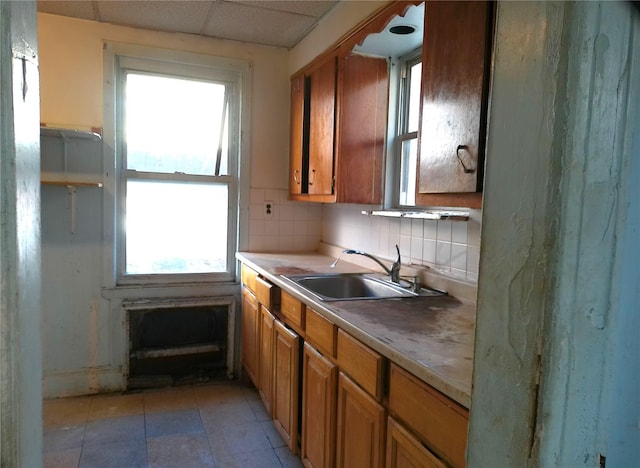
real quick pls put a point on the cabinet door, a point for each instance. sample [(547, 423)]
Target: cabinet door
[(297, 140), (322, 97), (453, 77), (286, 384), (436, 420), (265, 377), (363, 94), (361, 427), (318, 409), (405, 451), (250, 322)]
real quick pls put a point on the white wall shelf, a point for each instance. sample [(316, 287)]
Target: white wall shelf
[(52, 178), (69, 133)]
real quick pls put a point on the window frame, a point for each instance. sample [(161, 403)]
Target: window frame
[(398, 115), (232, 73)]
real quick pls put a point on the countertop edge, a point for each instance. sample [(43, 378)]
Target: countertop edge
[(428, 374)]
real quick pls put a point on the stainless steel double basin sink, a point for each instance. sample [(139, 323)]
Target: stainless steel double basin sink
[(352, 286)]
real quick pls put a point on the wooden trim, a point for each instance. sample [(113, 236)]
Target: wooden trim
[(462, 200), (372, 24)]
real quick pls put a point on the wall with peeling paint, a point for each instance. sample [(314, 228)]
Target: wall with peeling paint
[(557, 298), (20, 318)]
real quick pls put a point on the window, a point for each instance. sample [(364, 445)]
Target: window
[(408, 119), (177, 155)]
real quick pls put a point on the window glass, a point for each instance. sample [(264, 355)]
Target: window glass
[(408, 122), (174, 227), (175, 125), (177, 135), (409, 165), (413, 107)]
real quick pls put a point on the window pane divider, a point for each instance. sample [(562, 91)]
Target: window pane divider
[(178, 176)]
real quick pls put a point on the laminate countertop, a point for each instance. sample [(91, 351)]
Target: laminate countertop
[(431, 337)]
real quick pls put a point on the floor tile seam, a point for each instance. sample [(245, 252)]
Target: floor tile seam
[(208, 437), (250, 452), (191, 404)]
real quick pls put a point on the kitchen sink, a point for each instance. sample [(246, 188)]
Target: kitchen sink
[(348, 286)]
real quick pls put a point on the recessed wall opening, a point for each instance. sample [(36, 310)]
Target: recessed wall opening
[(173, 342)]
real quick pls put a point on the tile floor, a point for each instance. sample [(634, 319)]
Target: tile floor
[(215, 425)]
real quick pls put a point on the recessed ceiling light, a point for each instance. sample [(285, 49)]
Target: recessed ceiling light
[(402, 29)]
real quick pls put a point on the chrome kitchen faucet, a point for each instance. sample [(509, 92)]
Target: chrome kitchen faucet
[(394, 272)]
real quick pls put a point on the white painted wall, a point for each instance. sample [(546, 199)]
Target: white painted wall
[(72, 97), (85, 343), (557, 300), (20, 317)]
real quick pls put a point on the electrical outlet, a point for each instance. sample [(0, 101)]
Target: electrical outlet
[(268, 208)]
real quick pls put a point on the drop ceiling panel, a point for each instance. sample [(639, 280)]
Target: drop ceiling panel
[(179, 16), (259, 25), (83, 10), (308, 8), (279, 23)]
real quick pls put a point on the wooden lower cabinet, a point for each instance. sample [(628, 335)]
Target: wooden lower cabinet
[(405, 451), (361, 427), (250, 334), (286, 360), (319, 388), (265, 373), (436, 420)]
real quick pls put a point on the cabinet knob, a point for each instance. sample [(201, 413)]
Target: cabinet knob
[(468, 169)]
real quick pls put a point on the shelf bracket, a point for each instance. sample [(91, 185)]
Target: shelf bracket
[(71, 189)]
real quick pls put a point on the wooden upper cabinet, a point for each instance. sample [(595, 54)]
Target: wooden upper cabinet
[(363, 94), (322, 102), (297, 123), (313, 117), (454, 80)]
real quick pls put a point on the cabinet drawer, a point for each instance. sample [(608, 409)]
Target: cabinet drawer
[(405, 450), (249, 277), (363, 364), (438, 421), (321, 332), (267, 294), (293, 311)]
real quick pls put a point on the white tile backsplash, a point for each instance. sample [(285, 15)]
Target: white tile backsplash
[(291, 226), (449, 246), (443, 255)]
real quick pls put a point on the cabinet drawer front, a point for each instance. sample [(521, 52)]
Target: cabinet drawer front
[(403, 449), (321, 332), (293, 311), (439, 422), (266, 293), (364, 365), (249, 277)]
